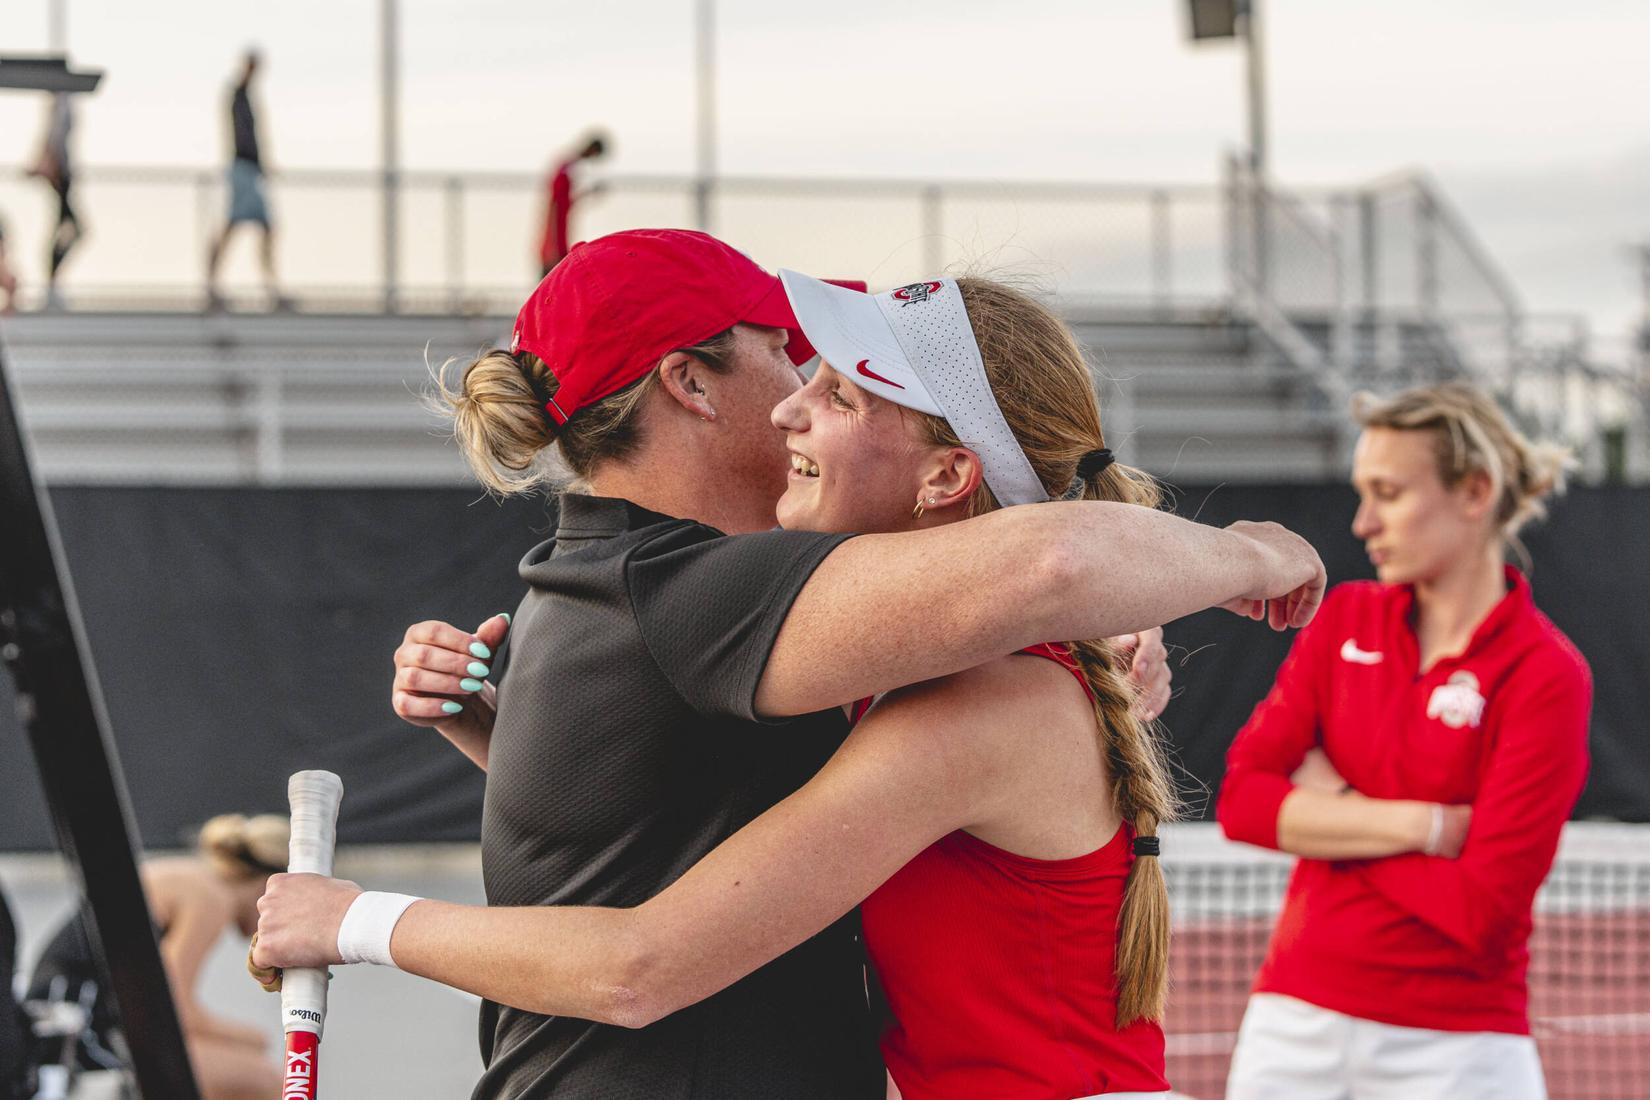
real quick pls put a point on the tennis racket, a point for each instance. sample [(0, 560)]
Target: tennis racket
[(314, 797)]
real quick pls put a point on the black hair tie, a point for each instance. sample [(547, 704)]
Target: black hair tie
[(1092, 463), (1147, 846)]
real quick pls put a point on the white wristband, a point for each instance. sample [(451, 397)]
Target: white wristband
[(1436, 833), (364, 935)]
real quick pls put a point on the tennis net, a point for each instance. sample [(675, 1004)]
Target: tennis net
[(1589, 957)]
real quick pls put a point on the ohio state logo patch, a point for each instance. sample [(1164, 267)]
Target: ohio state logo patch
[(1457, 703), (913, 293)]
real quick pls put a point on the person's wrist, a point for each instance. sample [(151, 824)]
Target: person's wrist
[(1261, 564), (369, 924), (1435, 829), (1415, 831)]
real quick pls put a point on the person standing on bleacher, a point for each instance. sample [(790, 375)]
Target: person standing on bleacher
[(1421, 750), (248, 203)]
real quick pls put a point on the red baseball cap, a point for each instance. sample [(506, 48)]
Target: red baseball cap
[(617, 305)]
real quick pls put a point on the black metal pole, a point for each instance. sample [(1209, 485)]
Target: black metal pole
[(60, 708)]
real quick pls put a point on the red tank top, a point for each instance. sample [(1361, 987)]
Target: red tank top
[(1001, 970)]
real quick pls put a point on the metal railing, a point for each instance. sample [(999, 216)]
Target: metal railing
[(1375, 285), (1386, 285), (467, 241)]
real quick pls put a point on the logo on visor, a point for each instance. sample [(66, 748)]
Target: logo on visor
[(874, 376), (916, 292)]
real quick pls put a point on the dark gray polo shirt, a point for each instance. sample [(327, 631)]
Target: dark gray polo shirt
[(626, 748)]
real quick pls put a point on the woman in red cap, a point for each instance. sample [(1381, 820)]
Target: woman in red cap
[(999, 823), (1421, 750)]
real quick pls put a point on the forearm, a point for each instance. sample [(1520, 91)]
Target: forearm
[(203, 1024), (1320, 825), (954, 597), (564, 961), (892, 789)]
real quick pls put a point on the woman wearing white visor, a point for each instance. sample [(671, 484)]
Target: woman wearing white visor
[(999, 825)]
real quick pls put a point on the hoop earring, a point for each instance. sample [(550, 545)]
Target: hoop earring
[(916, 513)]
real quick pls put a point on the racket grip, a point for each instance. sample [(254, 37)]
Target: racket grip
[(314, 797)]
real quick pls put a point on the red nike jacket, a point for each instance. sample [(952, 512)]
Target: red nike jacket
[(1417, 940)]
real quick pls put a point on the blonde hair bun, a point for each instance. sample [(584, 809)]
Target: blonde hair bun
[(244, 846)]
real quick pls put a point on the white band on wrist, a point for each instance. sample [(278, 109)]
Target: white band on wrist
[(1435, 834), (364, 935)]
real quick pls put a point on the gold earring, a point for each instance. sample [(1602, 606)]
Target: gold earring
[(916, 513)]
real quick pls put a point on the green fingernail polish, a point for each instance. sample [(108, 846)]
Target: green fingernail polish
[(450, 707), (476, 668), (470, 685), (506, 615), (479, 649)]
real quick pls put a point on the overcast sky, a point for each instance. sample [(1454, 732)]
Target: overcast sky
[(1535, 116)]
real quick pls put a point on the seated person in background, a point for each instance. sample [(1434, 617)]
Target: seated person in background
[(192, 900)]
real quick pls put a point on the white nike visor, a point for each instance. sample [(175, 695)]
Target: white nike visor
[(914, 347)]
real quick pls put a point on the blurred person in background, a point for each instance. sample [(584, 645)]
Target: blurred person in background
[(560, 197), (248, 202), (1420, 752), (8, 278), (54, 165), (193, 899)]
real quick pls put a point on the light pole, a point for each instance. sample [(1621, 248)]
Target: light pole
[(390, 148), (1214, 20), (1219, 19), (705, 84), (57, 26)]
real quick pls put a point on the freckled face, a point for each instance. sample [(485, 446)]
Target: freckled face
[(751, 455), (856, 463)]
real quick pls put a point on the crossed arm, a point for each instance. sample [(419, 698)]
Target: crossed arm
[(1281, 791)]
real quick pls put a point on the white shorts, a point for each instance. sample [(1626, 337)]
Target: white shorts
[(1288, 1049)]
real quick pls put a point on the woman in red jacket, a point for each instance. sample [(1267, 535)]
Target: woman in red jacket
[(1420, 751)]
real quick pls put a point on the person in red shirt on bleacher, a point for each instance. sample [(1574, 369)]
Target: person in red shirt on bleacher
[(1421, 750), (559, 199)]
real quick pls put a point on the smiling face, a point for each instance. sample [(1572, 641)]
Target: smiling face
[(856, 463), (1413, 526)]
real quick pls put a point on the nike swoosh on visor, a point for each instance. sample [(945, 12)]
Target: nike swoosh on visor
[(867, 372)]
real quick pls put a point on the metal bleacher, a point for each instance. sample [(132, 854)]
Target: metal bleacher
[(168, 398), (148, 398)]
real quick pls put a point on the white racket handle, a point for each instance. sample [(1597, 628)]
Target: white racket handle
[(314, 797)]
